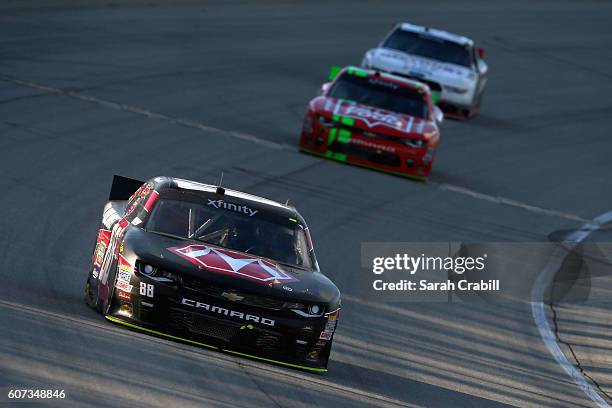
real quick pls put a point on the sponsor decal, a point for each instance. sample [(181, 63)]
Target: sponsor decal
[(124, 265), (142, 192), (124, 295), (386, 84), (233, 263), (124, 276), (124, 286), (422, 65), (113, 249), (325, 335), (151, 201), (227, 312), (330, 325), (371, 117), (123, 223), (102, 242), (242, 209)]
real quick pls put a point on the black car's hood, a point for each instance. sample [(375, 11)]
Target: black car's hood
[(221, 267)]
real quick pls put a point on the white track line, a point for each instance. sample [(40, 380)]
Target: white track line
[(539, 314), (268, 143), (144, 112), (512, 203)]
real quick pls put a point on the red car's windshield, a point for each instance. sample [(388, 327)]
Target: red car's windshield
[(381, 94)]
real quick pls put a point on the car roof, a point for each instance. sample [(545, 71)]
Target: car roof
[(372, 73), (182, 184), (459, 39)]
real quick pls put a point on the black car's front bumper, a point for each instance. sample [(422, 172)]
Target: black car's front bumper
[(294, 341)]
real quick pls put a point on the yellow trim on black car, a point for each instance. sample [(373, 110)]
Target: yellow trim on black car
[(133, 326), (114, 319), (316, 370)]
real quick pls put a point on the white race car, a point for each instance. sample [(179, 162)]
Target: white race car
[(448, 63)]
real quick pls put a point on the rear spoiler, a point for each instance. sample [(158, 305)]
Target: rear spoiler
[(123, 188)]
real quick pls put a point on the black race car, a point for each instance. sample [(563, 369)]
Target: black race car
[(213, 267)]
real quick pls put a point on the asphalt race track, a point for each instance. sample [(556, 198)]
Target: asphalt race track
[(146, 88)]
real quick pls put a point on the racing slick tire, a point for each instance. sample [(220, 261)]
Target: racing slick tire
[(475, 107)]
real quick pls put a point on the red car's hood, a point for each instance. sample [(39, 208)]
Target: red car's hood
[(373, 119)]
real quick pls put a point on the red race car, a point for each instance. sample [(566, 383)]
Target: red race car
[(376, 120)]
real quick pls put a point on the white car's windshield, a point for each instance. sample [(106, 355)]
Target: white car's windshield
[(429, 47)]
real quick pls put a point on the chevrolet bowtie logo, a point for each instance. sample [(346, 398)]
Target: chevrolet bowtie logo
[(231, 296)]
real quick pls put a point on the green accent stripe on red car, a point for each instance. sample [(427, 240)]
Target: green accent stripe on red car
[(344, 136), (333, 72), (357, 72), (331, 135)]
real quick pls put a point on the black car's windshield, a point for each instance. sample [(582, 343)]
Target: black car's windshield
[(429, 47), (245, 230), (381, 94)]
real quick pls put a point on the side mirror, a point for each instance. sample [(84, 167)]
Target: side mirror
[(325, 87), (438, 114), (482, 67), (480, 52), (435, 96)]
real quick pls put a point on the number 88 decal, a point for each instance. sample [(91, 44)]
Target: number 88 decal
[(146, 289)]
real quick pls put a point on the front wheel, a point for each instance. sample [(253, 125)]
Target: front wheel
[(475, 108)]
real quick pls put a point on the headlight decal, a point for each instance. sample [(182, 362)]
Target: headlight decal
[(303, 310), (455, 89), (417, 143)]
